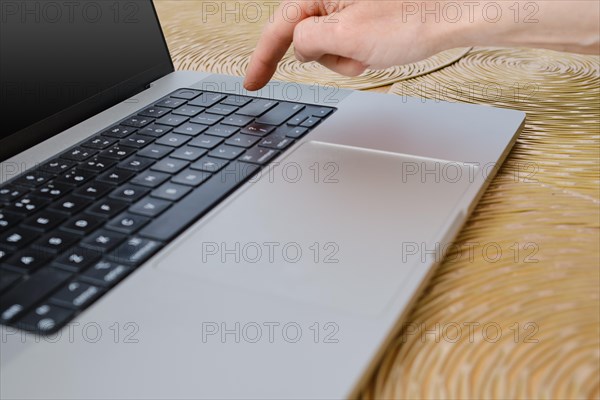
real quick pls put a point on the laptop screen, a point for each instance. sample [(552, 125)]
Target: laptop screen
[(64, 61)]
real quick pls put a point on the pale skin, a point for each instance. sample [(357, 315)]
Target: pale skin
[(349, 36)]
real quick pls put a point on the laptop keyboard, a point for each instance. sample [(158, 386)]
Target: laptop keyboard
[(75, 226)]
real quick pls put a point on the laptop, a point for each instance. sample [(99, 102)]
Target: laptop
[(166, 234)]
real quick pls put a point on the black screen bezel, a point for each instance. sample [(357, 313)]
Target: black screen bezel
[(55, 124)]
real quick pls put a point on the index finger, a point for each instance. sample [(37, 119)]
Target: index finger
[(276, 38)]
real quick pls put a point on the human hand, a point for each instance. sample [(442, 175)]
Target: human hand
[(349, 36), (346, 36)]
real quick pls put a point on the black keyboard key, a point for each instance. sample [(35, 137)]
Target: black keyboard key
[(9, 194), (258, 129), (242, 140), (116, 176), (77, 259), (209, 164), (206, 141), (7, 279), (71, 204), (27, 261), (107, 208), (97, 164), (57, 166), (134, 251), (206, 99), (127, 223), (33, 179), (118, 152), (296, 132), (170, 103), (257, 107), (191, 129), (259, 155), (155, 151), (150, 207), (151, 179), (136, 163), (57, 241), (137, 122), (182, 214), (226, 152), (105, 274), (103, 240), (45, 318), (172, 120), (276, 142), (99, 143), (188, 153), (8, 220), (173, 140), (27, 205), (224, 131), (154, 112), (78, 154), (281, 113), (137, 141), (311, 122), (93, 190), (76, 295), (171, 191), (298, 118), (169, 165), (191, 177), (119, 132), (155, 130), (129, 193), (221, 109), (238, 101), (237, 120), (53, 190), (75, 177), (186, 94), (206, 119), (321, 112), (82, 224), (4, 254), (45, 220), (188, 111), (21, 297)]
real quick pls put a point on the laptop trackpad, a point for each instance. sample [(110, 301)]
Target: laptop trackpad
[(327, 225)]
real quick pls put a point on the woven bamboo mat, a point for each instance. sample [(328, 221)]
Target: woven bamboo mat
[(514, 310)]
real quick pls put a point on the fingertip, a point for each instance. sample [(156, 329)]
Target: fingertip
[(252, 83), (250, 86)]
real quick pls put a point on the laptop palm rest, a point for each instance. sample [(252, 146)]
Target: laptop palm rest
[(325, 225)]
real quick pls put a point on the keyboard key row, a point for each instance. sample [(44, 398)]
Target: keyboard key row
[(151, 175)]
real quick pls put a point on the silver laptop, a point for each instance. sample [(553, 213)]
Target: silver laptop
[(168, 235)]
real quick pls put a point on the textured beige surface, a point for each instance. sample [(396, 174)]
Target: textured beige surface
[(515, 304)]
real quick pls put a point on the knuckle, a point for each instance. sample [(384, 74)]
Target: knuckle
[(301, 37), (299, 56)]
